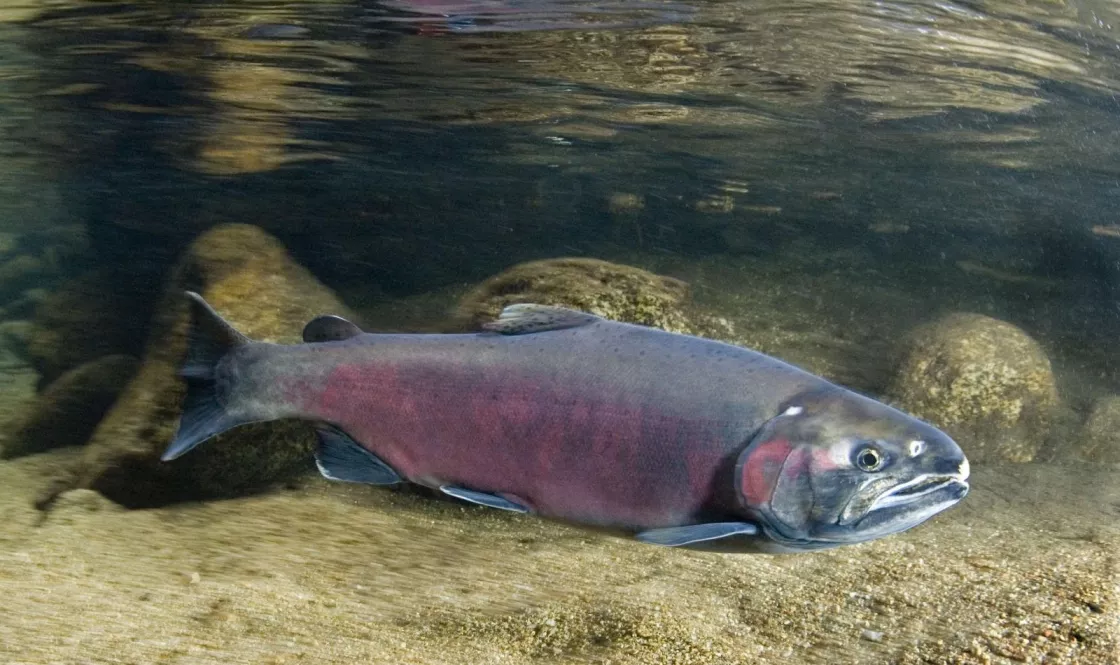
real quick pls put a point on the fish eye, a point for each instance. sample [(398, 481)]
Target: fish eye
[(869, 459)]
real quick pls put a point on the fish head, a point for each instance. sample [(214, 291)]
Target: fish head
[(836, 468)]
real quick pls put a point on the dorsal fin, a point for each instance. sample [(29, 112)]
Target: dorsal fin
[(329, 328), (528, 318)]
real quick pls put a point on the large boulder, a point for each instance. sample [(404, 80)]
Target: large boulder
[(984, 381), (66, 413), (611, 290), (250, 279)]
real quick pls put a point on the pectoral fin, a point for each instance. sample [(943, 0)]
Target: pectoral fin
[(483, 499), (679, 536), (341, 458)]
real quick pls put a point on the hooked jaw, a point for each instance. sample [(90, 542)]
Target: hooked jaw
[(901, 508), (926, 486), (910, 503)]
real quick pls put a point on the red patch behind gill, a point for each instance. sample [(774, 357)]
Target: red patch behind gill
[(760, 470)]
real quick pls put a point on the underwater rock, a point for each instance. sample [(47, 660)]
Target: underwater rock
[(74, 506), (97, 314), (1100, 439), (66, 413), (248, 276), (611, 290), (984, 381), (81, 500)]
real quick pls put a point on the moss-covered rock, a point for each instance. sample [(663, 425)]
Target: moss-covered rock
[(66, 413), (984, 381), (611, 290), (73, 505), (248, 276), (1100, 438), (97, 314)]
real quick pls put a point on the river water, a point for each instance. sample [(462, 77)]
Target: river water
[(825, 175)]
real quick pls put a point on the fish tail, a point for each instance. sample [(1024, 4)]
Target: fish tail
[(209, 339)]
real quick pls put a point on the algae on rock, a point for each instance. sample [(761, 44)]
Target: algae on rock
[(1100, 439), (247, 276), (611, 290), (984, 381)]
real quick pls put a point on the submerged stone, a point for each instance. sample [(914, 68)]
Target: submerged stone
[(984, 381), (1100, 440), (81, 501), (611, 290), (66, 413), (248, 276)]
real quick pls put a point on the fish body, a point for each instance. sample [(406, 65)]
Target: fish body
[(577, 418), (604, 423)]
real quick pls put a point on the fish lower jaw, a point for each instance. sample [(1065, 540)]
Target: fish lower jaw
[(916, 489)]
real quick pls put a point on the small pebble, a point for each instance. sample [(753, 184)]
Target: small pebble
[(872, 635)]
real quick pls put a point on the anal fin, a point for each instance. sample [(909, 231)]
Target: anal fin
[(483, 499), (680, 536), (340, 457)]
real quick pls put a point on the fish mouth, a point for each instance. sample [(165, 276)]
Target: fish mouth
[(910, 504), (954, 488), (899, 509)]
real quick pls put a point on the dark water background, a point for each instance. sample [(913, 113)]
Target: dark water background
[(396, 151), (987, 129)]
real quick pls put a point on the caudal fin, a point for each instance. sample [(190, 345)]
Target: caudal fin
[(209, 339)]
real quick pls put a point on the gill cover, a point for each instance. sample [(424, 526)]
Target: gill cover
[(776, 464)]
